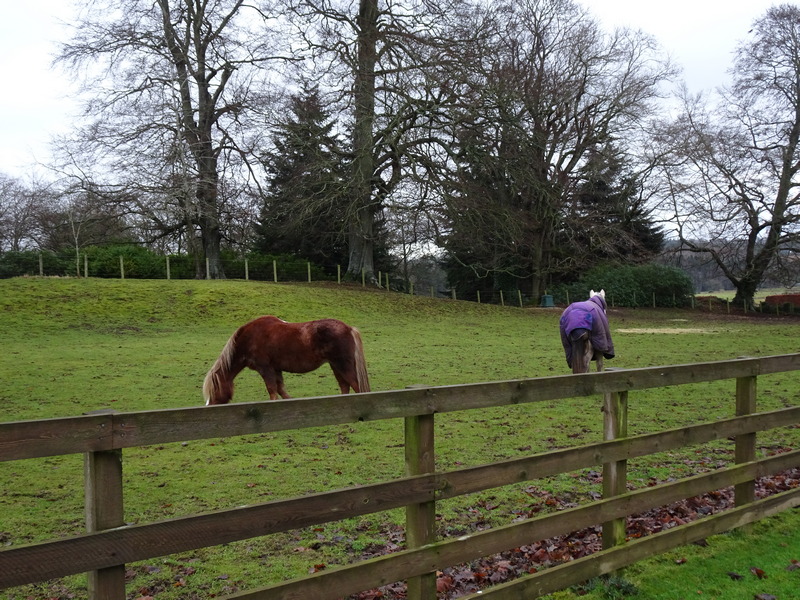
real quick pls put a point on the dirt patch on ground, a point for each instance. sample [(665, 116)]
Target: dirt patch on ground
[(667, 330)]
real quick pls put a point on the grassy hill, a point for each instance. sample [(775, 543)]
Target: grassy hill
[(75, 345)]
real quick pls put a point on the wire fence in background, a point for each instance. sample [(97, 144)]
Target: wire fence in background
[(291, 269)]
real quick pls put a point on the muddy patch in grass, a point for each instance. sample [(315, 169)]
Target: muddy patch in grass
[(675, 330)]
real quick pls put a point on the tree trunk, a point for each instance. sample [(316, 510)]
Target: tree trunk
[(745, 292), (207, 192), (361, 232)]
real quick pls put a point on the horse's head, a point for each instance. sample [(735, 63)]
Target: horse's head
[(217, 390), (601, 298)]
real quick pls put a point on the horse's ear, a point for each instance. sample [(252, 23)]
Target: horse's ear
[(603, 294)]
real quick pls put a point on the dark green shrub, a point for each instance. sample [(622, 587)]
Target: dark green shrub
[(631, 285), (138, 262), (17, 264)]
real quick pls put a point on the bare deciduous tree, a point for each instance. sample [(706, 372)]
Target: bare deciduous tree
[(171, 70), (733, 172), (549, 88), (376, 58), (18, 210)]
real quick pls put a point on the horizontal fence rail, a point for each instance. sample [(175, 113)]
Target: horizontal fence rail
[(108, 545), (109, 431)]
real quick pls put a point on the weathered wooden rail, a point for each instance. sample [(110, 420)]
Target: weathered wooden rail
[(108, 545)]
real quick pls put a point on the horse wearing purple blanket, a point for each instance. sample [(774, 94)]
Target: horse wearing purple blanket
[(585, 333)]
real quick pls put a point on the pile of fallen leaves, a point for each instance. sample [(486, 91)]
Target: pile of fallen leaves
[(468, 578), (459, 580)]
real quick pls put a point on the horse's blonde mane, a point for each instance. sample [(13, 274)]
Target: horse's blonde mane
[(211, 383)]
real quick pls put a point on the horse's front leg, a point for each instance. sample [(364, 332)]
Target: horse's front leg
[(281, 386), (273, 380)]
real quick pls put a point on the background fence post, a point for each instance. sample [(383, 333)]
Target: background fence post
[(246, 270), (745, 451), (275, 271), (41, 265), (615, 474), (168, 273), (121, 268), (86, 266), (420, 518), (104, 510)]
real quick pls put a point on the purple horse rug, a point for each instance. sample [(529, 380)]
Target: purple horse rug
[(587, 318)]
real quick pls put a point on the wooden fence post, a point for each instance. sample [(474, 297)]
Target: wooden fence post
[(104, 510), (615, 474), (420, 518), (168, 272), (121, 268), (308, 264), (338, 273), (275, 271), (246, 270), (745, 451), (41, 265)]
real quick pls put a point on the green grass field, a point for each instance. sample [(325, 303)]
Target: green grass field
[(71, 346)]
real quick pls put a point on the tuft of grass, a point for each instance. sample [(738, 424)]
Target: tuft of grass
[(76, 345)]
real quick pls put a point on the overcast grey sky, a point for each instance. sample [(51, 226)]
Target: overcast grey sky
[(700, 35)]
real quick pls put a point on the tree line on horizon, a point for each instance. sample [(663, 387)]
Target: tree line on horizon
[(518, 144)]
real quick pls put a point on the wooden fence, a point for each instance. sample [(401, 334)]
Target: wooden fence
[(109, 544)]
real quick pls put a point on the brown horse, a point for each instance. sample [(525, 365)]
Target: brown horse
[(270, 346)]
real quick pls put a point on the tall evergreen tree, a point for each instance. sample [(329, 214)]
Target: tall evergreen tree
[(304, 210), (608, 218)]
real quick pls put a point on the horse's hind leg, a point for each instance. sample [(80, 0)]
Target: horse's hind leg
[(346, 378), (581, 351)]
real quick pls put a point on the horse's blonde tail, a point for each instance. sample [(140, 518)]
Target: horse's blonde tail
[(218, 381), (361, 364)]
